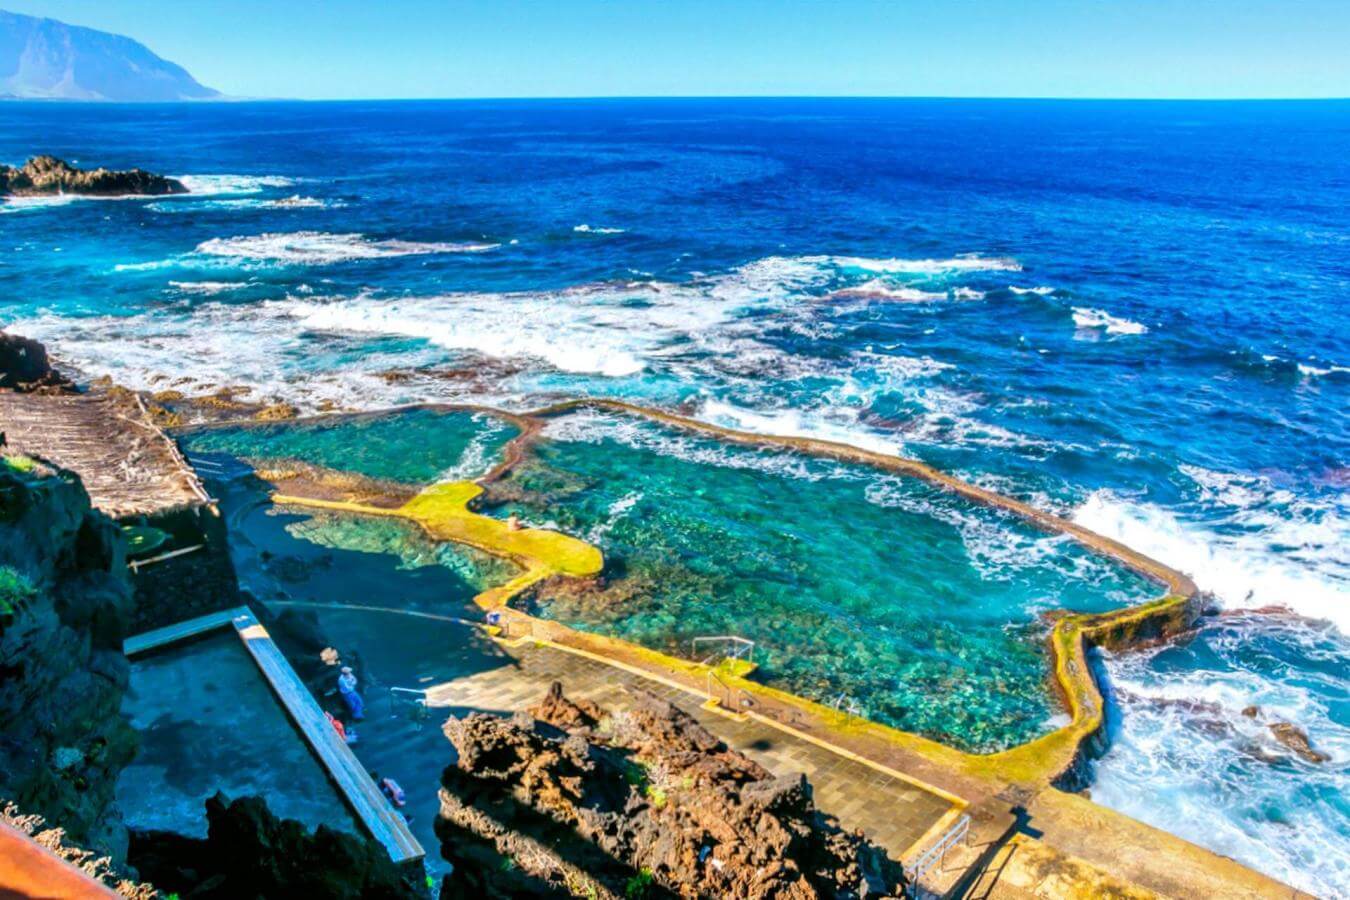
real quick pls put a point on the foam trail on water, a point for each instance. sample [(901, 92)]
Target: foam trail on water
[(322, 248)]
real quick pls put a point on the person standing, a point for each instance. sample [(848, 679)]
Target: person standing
[(347, 690)]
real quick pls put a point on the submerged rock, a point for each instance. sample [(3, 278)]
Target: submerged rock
[(643, 802), (47, 175)]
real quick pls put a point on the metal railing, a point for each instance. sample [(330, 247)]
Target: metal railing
[(411, 697), (935, 854), (742, 648), (848, 706)]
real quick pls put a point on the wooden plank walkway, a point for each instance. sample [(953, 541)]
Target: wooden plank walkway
[(372, 810), (347, 772), (128, 465), (149, 640)]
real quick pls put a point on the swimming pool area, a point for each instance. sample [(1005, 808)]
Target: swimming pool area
[(208, 722), (916, 607)]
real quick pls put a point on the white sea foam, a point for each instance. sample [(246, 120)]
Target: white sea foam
[(322, 248), (1271, 553), (583, 228), (971, 263), (191, 203), (27, 204), (208, 288), (1307, 370), (1086, 317), (594, 427), (1186, 758), (1040, 290), (878, 289), (207, 185)]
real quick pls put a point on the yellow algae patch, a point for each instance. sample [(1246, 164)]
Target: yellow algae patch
[(443, 512)]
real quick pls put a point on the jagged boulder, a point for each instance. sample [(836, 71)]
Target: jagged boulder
[(250, 852), (24, 366), (46, 175), (643, 802)]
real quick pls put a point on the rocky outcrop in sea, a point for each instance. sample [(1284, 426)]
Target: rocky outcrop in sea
[(642, 802), (24, 366), (46, 175)]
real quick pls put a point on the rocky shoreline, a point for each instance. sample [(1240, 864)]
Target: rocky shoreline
[(570, 798)]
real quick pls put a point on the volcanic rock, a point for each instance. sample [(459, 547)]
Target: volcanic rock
[(24, 366), (46, 175), (641, 802)]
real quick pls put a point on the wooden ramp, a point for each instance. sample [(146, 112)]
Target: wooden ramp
[(128, 465), (372, 810)]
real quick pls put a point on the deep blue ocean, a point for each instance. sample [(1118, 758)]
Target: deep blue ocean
[(1135, 314)]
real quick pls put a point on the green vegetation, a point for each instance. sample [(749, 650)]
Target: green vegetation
[(640, 885), (14, 589), (143, 539), (22, 464)]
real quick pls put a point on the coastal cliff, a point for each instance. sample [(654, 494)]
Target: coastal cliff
[(64, 605), (46, 175)]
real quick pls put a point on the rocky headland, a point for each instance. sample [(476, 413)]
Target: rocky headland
[(644, 802), (44, 176)]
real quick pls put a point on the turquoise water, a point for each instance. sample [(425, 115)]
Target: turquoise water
[(1132, 313), (415, 446), (915, 604)]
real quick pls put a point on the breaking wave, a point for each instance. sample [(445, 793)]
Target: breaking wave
[(1086, 317)]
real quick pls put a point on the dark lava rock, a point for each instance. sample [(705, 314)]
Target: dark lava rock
[(644, 802), (47, 175), (249, 852), (24, 366)]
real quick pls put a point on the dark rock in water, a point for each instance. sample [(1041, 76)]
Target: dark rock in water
[(47, 175), (249, 852), (1296, 739), (644, 802), (24, 366)]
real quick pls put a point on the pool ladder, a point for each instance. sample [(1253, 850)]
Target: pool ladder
[(741, 648)]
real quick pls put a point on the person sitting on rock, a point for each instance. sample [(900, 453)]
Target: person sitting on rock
[(347, 689)]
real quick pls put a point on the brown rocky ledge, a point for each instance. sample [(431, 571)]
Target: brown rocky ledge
[(46, 175), (640, 803)]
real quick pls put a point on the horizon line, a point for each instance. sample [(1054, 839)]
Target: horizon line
[(228, 98)]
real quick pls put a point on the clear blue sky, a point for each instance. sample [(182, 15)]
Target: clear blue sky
[(565, 48)]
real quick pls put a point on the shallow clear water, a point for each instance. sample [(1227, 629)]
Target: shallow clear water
[(415, 446), (917, 605), (1134, 313)]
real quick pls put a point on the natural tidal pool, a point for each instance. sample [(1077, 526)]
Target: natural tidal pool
[(414, 446), (917, 605)]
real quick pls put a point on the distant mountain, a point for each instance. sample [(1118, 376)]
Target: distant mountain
[(50, 60)]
